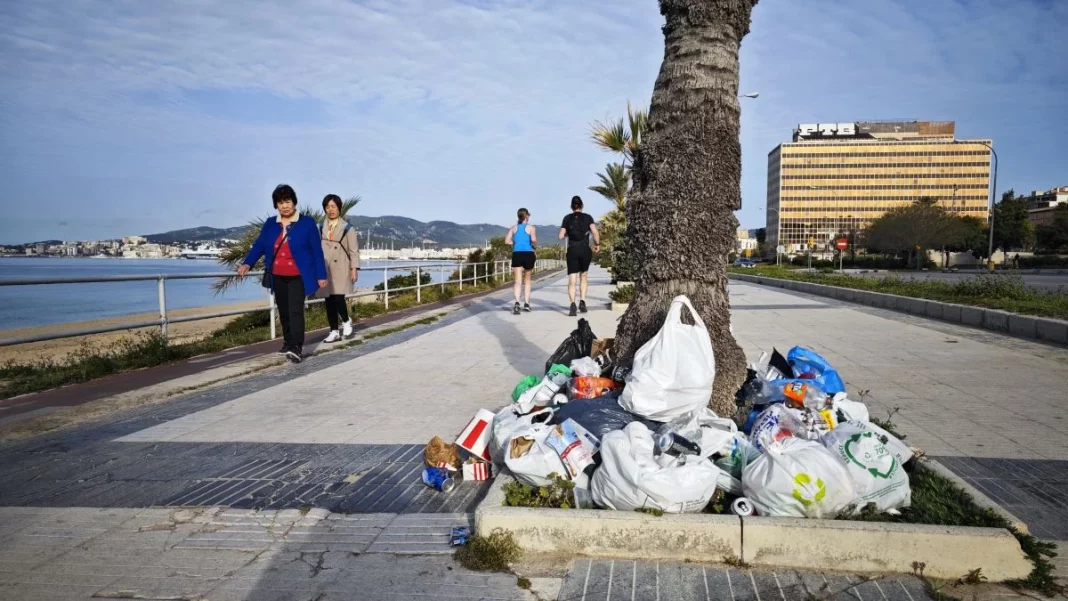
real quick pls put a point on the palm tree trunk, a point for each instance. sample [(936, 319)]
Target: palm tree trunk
[(686, 183)]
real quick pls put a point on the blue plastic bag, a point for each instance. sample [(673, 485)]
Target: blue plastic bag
[(805, 361)]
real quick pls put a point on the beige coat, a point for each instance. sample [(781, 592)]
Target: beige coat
[(342, 254)]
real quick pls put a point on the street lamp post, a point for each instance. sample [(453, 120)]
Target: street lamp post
[(993, 192)]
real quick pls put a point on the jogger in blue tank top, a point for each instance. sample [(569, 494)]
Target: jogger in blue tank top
[(524, 241)]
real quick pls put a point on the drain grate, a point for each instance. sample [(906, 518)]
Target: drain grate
[(238, 483)]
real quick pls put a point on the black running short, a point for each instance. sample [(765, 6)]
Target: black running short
[(578, 258), (524, 259)]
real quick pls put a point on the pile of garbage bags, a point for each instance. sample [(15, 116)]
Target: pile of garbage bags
[(644, 437)]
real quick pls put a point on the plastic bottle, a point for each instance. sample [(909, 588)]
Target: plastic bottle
[(795, 393)]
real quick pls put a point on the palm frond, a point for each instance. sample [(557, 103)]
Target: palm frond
[(614, 183), (613, 137), (639, 124), (231, 256), (349, 203)]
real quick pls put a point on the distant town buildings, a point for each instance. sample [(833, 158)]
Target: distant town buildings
[(1041, 205), (745, 242), (837, 177)]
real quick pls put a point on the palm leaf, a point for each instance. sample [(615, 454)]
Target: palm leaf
[(613, 137), (231, 256), (351, 202), (639, 124), (614, 183)]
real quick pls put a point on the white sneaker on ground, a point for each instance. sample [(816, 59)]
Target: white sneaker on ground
[(333, 336), (346, 329)]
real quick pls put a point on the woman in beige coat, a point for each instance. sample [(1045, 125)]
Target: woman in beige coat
[(342, 252)]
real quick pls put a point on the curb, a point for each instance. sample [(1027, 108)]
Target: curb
[(839, 545), (1042, 329)]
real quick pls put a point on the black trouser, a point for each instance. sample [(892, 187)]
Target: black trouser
[(289, 297), (336, 308)]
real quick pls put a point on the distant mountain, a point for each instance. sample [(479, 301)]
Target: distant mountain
[(403, 231), (444, 233), (197, 234)]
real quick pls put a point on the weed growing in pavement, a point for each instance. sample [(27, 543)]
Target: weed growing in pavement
[(490, 553)]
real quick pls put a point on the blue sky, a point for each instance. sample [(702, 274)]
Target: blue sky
[(122, 117)]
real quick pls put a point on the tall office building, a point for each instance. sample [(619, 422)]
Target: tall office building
[(834, 178)]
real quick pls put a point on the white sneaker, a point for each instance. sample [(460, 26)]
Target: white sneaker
[(346, 329), (333, 336)]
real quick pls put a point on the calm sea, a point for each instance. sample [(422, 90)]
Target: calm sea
[(28, 306)]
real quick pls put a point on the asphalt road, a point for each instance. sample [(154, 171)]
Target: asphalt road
[(1043, 281)]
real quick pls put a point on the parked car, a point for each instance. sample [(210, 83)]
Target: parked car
[(746, 263)]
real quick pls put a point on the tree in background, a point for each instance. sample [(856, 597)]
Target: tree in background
[(1054, 237), (761, 238), (924, 225), (1013, 229), (623, 137), (967, 234), (231, 256), (686, 184)]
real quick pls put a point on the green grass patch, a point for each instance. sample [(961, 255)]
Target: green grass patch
[(559, 494), (1006, 292)]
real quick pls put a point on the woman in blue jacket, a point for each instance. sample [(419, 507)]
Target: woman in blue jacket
[(294, 262)]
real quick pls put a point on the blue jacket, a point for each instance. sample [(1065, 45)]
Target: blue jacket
[(304, 243)]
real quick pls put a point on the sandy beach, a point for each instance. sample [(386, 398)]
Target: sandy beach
[(60, 348)]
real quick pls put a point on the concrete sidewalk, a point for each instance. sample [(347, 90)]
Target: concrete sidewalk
[(339, 437)]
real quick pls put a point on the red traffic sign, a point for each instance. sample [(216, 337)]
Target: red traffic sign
[(841, 244)]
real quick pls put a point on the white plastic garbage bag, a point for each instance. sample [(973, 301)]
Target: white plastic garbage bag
[(851, 410), (672, 372), (586, 366), (510, 422), (877, 475), (741, 453), (542, 394), (773, 424), (713, 434), (897, 448), (798, 478), (630, 477), (531, 459)]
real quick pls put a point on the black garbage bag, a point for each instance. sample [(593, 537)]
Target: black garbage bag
[(600, 415), (578, 345)]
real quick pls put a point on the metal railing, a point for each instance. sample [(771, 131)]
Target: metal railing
[(467, 273)]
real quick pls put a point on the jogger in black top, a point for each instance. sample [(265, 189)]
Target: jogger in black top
[(577, 228)]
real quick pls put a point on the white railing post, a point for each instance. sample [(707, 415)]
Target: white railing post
[(385, 287), (274, 312), (418, 286), (461, 275), (441, 276), (162, 285)]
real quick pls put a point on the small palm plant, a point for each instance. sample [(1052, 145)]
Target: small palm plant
[(231, 256)]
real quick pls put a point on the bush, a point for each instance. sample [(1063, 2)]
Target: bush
[(1038, 261), (406, 281), (622, 294), (625, 263)]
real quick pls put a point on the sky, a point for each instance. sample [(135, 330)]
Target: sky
[(124, 117)]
